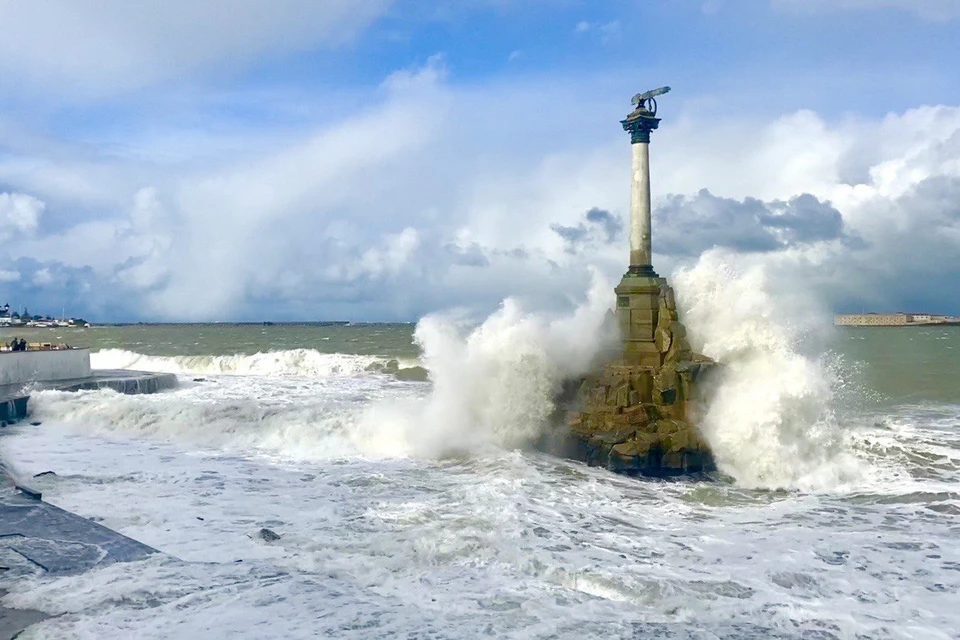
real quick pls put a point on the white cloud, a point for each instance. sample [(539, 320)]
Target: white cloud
[(437, 195), (323, 198), (19, 214), (391, 258), (96, 46), (711, 7), (610, 31), (42, 277), (606, 31), (896, 184), (7, 275), (929, 9)]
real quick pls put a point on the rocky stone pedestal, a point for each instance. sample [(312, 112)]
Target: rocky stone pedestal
[(638, 414)]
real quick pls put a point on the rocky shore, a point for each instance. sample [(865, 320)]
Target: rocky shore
[(638, 414)]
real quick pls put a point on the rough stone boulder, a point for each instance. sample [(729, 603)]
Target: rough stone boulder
[(639, 417), (638, 421)]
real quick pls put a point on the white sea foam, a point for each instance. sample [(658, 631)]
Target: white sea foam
[(770, 417), (291, 362), (377, 544), (506, 544), (297, 417)]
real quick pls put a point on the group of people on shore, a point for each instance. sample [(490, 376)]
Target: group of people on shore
[(17, 344)]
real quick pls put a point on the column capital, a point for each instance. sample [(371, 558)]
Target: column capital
[(641, 271), (639, 127)]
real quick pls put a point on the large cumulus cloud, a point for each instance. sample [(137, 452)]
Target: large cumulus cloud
[(19, 214), (96, 47), (435, 194)]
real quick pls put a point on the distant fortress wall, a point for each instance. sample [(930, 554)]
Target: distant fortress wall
[(889, 319), (29, 366)]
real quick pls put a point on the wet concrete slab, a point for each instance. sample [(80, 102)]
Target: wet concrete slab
[(37, 538), (121, 380), (13, 621), (55, 541)]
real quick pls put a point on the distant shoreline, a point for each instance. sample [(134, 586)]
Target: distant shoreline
[(277, 323), (911, 325), (897, 319)]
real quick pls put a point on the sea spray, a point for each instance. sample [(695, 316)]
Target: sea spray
[(234, 415), (769, 417), (494, 383)]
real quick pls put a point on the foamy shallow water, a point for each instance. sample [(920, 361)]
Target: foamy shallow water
[(380, 542)]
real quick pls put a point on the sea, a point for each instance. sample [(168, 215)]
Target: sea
[(394, 463)]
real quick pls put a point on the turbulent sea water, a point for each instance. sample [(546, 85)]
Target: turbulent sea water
[(412, 509)]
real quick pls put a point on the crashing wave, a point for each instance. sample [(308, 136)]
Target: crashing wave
[(770, 417), (291, 362)]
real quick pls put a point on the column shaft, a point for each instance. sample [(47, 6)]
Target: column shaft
[(640, 247)]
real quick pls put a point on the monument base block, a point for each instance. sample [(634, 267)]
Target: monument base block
[(638, 414)]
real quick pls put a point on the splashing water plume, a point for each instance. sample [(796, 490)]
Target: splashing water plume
[(494, 384), (769, 416)]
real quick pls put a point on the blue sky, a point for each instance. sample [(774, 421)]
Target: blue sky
[(378, 160)]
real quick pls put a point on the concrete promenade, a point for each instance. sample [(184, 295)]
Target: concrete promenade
[(38, 538)]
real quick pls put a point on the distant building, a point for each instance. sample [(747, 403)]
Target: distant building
[(891, 319), (8, 319)]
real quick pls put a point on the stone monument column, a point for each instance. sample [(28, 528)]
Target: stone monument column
[(636, 415), (639, 291), (641, 258)]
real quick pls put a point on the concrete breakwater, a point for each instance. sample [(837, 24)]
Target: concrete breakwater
[(17, 367), (64, 369), (14, 398)]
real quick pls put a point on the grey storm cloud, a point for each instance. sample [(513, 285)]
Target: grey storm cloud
[(916, 263), (295, 229), (469, 256), (51, 287), (688, 226), (599, 224)]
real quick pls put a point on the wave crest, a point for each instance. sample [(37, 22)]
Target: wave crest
[(290, 362)]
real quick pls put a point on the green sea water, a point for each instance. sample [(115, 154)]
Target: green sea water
[(835, 523), (898, 365), (903, 365), (389, 340)]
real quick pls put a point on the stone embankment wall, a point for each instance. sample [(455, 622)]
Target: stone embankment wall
[(17, 367), (638, 414)]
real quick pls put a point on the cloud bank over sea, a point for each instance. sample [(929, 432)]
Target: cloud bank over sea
[(174, 183)]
